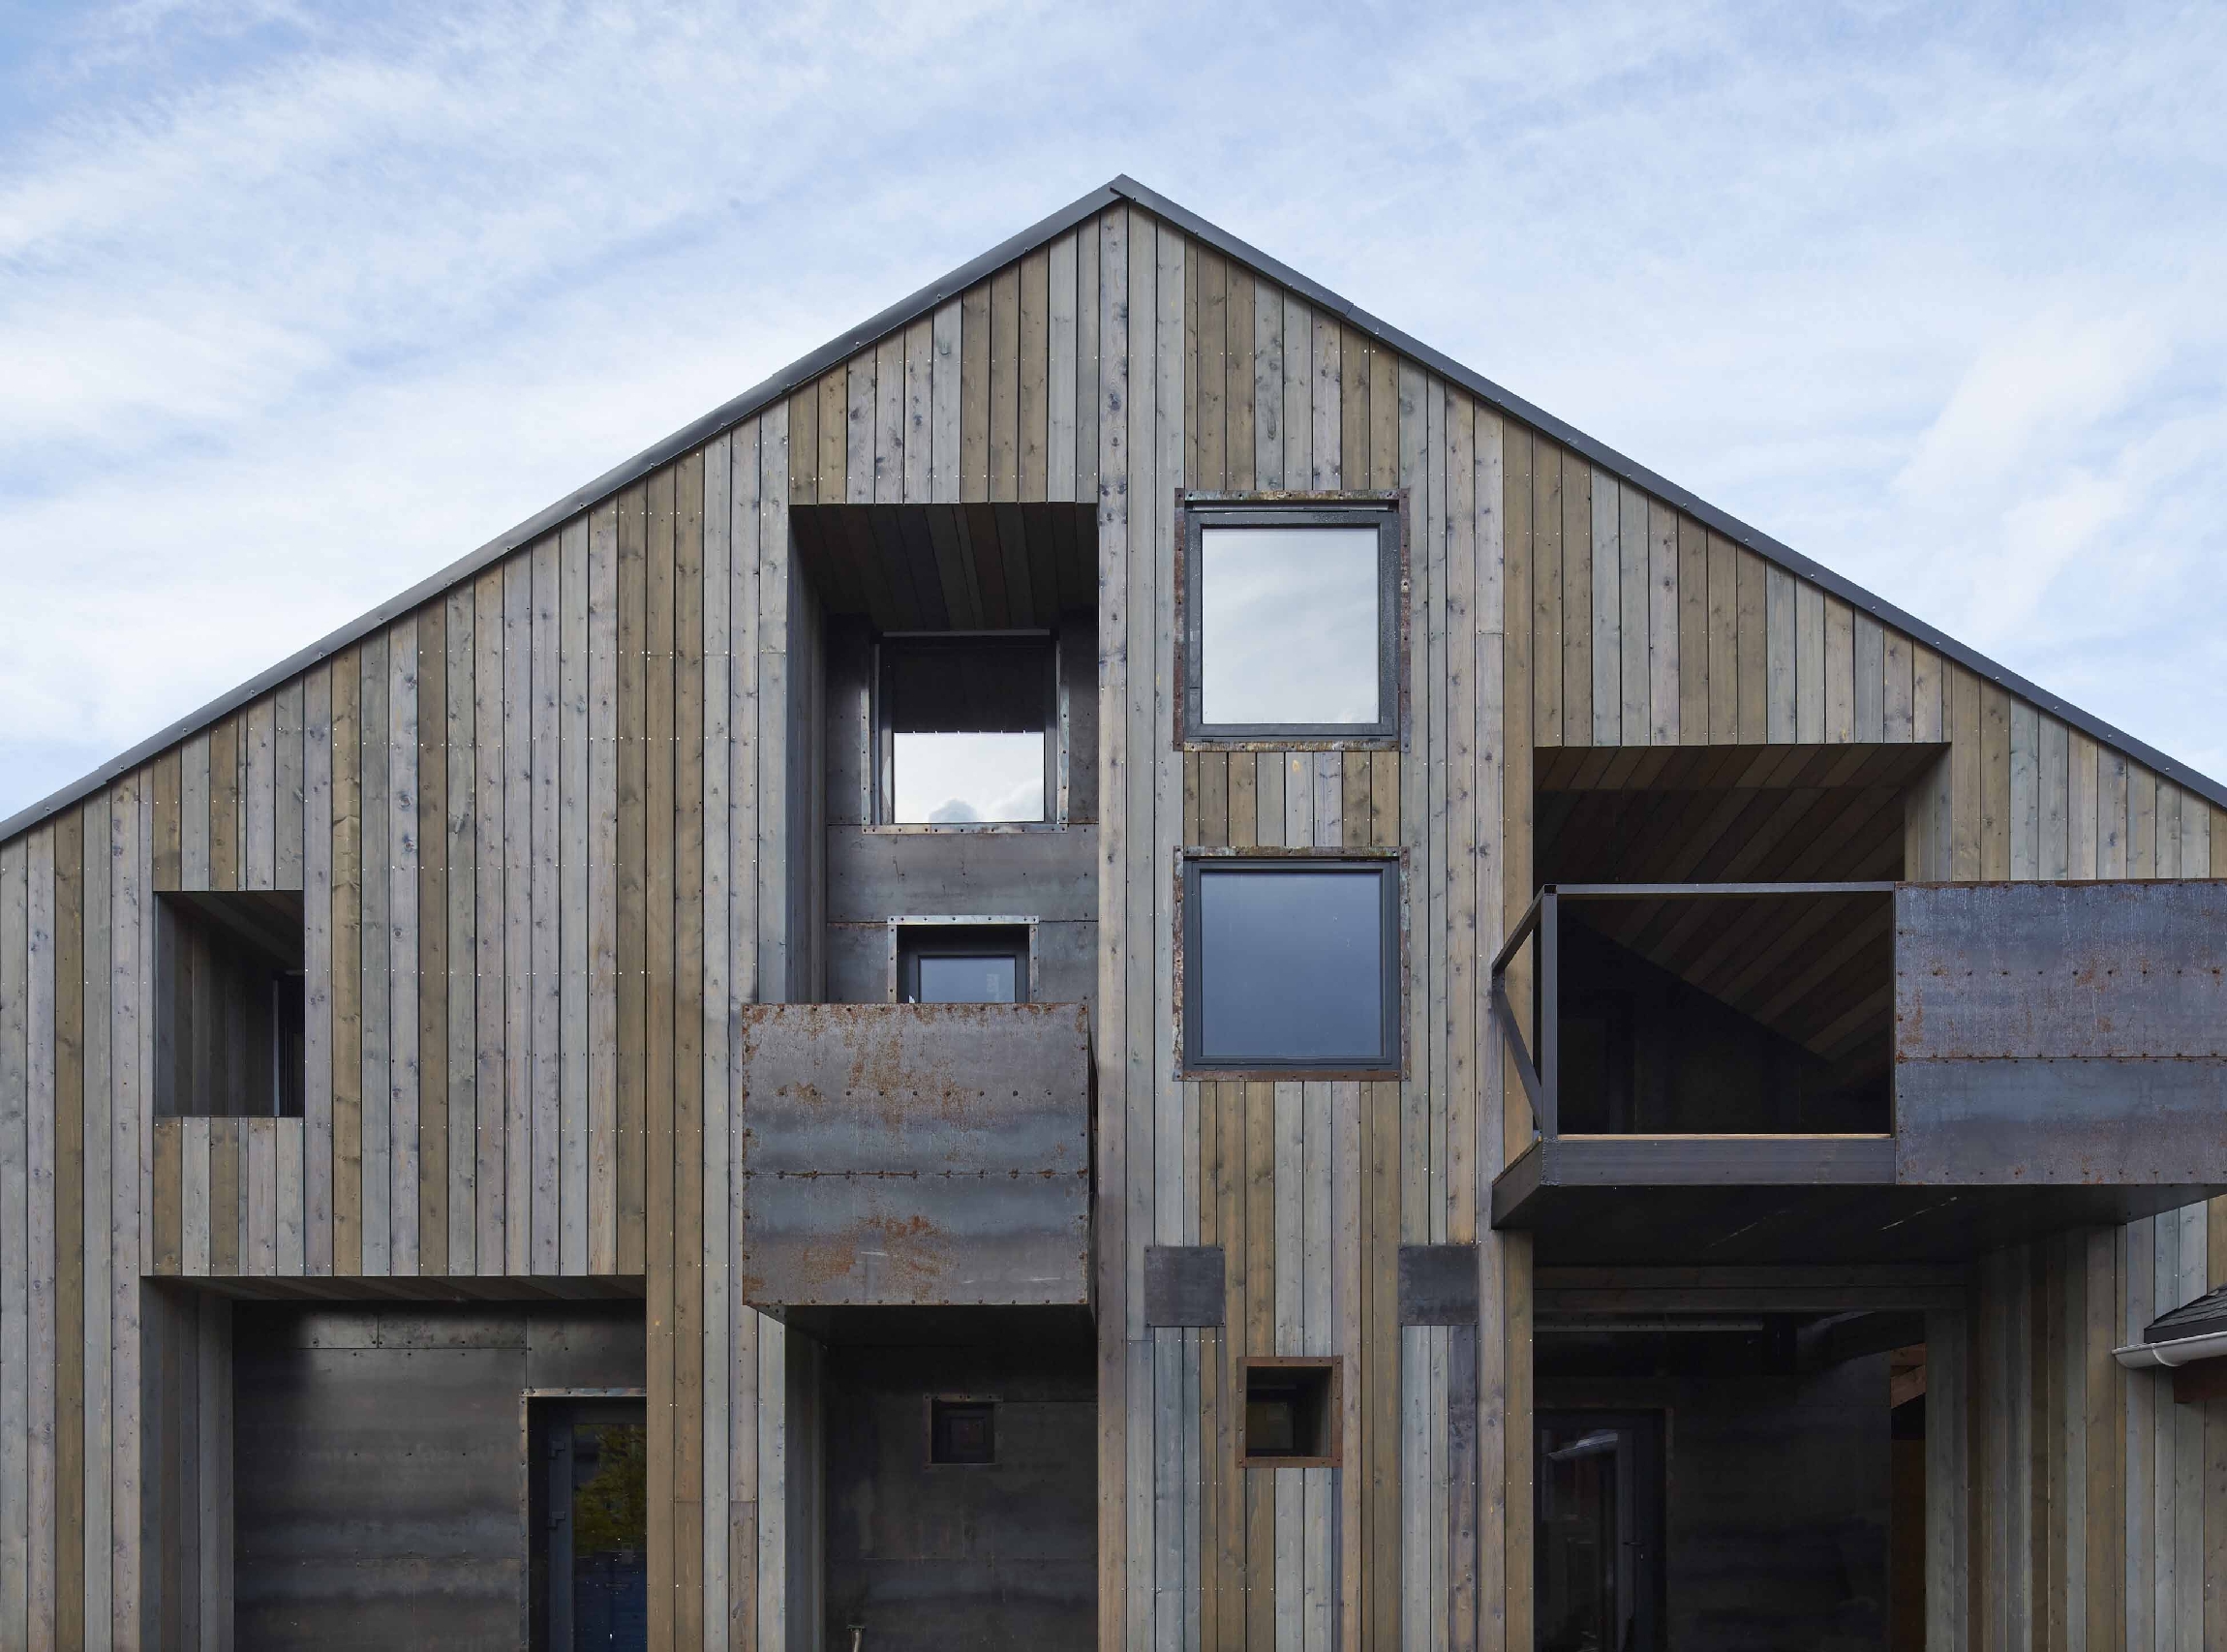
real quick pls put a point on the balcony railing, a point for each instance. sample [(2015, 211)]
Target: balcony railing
[(1791, 979), (1859, 1071)]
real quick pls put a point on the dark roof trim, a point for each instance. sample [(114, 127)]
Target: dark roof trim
[(725, 417), (900, 313), (1731, 526)]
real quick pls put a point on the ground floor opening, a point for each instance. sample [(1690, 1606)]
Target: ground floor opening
[(1746, 1481), (439, 1474)]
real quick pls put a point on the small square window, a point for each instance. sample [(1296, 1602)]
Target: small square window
[(1292, 1413), (1291, 964), (1292, 622), (966, 730), (962, 964), (961, 1430)]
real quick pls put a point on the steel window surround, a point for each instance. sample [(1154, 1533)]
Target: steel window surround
[(1276, 629), (1290, 965)]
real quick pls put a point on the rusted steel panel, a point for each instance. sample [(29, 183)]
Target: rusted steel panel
[(2053, 1034), (914, 1154)]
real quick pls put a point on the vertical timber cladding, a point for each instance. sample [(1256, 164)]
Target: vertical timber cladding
[(2093, 1508), (1311, 1187), (552, 824)]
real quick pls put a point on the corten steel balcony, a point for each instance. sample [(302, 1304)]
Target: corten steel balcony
[(905, 1155), (1877, 1072)]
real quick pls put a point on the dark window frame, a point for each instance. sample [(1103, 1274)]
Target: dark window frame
[(884, 765), (1391, 867), (912, 940), (1385, 512)]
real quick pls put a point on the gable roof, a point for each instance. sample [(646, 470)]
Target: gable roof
[(906, 311)]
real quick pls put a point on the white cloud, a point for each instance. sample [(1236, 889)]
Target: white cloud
[(300, 303)]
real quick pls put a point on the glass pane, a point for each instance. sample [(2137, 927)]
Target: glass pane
[(610, 1535), (1292, 965), (1288, 626), (966, 980), (1587, 1537), (952, 779)]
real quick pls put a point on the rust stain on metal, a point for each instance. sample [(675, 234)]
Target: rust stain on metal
[(906, 1153)]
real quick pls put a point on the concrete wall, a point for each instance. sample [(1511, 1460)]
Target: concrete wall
[(381, 1465), (936, 1555)]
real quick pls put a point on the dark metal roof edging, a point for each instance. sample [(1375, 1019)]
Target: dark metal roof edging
[(1631, 471), (907, 310), (724, 417)]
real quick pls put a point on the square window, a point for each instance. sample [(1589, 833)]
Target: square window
[(962, 964), (1292, 622), (1292, 1413), (1291, 964), (961, 1430), (966, 730)]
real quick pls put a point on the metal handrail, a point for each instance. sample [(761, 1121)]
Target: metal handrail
[(1541, 1082)]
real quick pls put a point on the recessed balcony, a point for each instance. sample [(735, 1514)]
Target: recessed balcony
[(1859, 1071)]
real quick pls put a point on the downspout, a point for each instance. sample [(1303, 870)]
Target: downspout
[(2181, 1351)]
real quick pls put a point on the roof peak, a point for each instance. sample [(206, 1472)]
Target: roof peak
[(1120, 188)]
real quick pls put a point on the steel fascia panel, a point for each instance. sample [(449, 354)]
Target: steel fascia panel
[(909, 1154)]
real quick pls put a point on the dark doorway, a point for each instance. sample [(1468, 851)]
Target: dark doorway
[(962, 1479), (1599, 1531), (589, 1512)]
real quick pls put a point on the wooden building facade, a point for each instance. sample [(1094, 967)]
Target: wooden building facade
[(551, 823)]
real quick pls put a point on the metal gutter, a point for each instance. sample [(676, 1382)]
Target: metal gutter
[(908, 309), (2171, 1355)]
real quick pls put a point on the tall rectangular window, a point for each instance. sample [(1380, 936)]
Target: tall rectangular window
[(1292, 622), (967, 731), (1292, 964)]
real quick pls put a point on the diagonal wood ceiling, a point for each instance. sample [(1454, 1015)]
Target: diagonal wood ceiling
[(1818, 969)]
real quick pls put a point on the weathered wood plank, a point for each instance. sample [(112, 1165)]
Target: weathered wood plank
[(661, 1057), (259, 795), (432, 984), (15, 1242), (41, 1262), (317, 971), (1593, 581), (1810, 663), (490, 1180), (1112, 1283), (375, 1171), (69, 1251), (545, 913), (98, 1137), (1636, 553), (605, 764), (1267, 385), (1548, 644), (1032, 366), (1325, 461), (224, 802), (462, 920), (1691, 594), (347, 878), (402, 917)]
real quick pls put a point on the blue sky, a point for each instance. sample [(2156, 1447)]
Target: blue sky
[(299, 303)]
